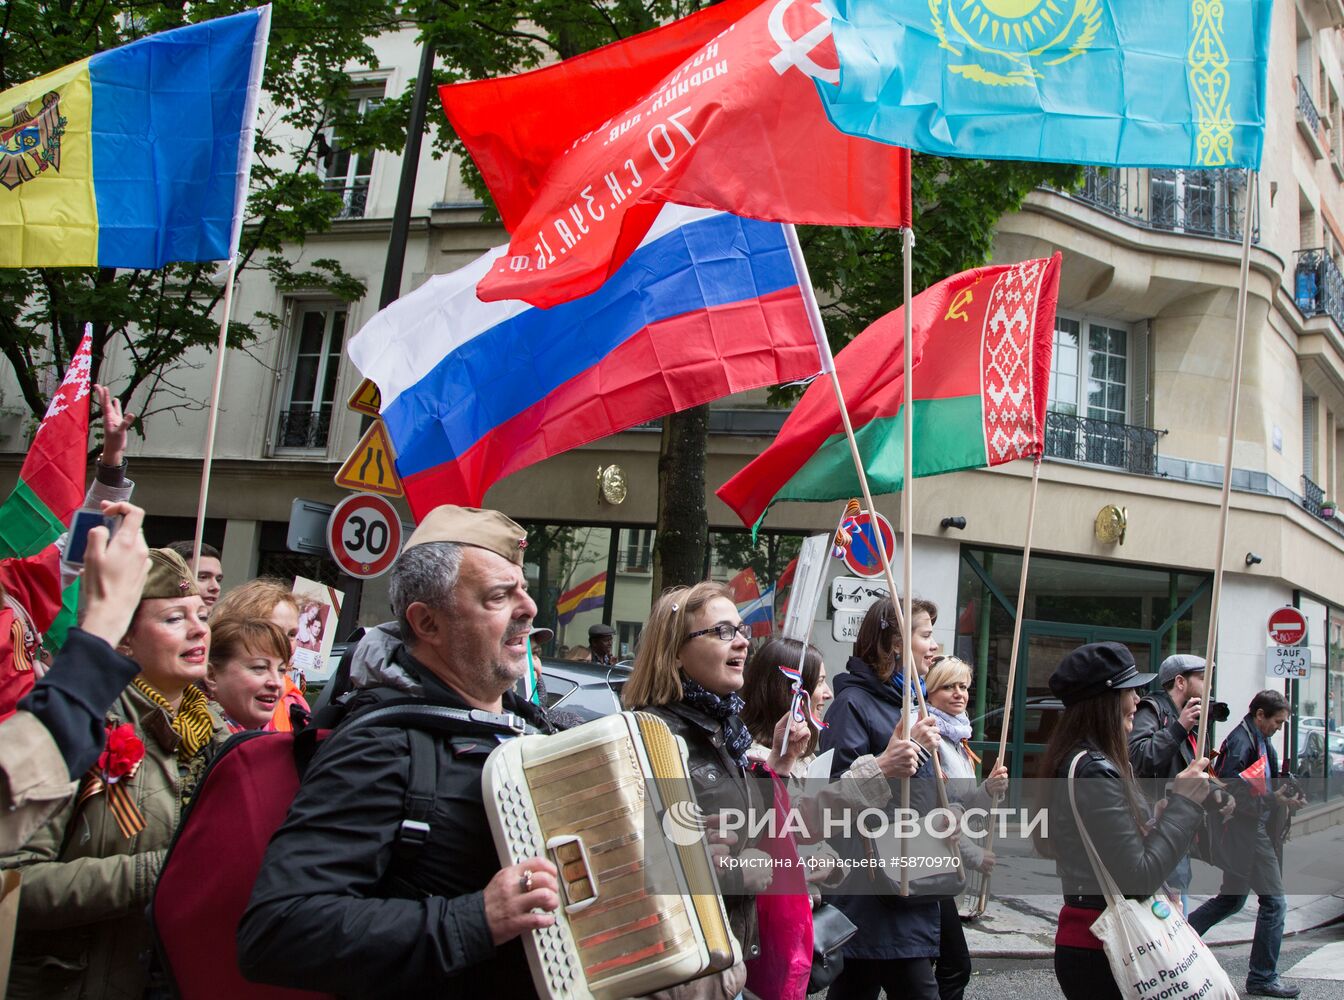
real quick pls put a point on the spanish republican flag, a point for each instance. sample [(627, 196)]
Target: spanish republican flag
[(983, 341), (134, 157), (585, 597)]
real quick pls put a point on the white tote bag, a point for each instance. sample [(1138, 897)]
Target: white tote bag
[(1154, 954)]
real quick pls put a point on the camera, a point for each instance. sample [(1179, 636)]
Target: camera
[(1219, 711)]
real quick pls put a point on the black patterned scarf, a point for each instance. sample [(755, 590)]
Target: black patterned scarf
[(728, 710)]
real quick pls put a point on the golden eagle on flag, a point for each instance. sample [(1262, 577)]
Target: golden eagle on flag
[(31, 143)]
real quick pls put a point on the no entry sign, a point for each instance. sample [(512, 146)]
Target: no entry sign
[(1287, 626), (364, 535)]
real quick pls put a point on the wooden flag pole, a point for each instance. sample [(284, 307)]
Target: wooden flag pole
[(214, 415), (908, 511), (1210, 647), (1012, 661), (828, 365)]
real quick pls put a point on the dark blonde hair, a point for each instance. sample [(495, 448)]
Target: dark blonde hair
[(878, 643), (769, 694), (254, 599), (656, 679), (235, 637)]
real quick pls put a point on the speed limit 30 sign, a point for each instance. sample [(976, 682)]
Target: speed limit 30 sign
[(364, 535)]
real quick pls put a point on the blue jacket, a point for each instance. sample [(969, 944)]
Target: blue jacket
[(860, 721)]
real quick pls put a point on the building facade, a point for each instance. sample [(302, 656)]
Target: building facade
[(1139, 392)]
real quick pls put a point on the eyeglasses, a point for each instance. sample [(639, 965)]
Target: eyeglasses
[(724, 631)]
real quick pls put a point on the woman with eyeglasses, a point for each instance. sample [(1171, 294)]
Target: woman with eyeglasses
[(688, 669)]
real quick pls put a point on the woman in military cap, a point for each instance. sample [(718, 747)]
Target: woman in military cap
[(88, 875), (1099, 685)]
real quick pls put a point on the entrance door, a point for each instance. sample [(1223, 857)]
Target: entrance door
[(1036, 710)]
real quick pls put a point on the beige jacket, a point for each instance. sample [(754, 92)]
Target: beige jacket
[(82, 932)]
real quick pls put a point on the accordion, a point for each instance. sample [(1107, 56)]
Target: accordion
[(638, 912)]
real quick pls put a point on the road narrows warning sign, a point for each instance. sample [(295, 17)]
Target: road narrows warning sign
[(370, 467)]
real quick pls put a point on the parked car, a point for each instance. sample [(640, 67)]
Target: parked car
[(1042, 715), (1311, 759)]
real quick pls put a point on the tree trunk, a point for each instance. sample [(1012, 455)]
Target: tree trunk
[(683, 521)]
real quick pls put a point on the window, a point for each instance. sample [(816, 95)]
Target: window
[(306, 419), (637, 552), (627, 636), (344, 170), (1098, 405), (1103, 353), (1203, 202)]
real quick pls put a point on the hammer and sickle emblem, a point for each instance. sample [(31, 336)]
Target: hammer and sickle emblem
[(957, 310), (798, 51)]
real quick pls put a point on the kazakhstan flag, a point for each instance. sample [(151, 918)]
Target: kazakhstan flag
[(137, 156), (1149, 83)]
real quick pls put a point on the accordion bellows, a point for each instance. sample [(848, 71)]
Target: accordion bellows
[(638, 912)]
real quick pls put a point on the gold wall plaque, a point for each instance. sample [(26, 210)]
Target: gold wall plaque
[(1111, 524), (610, 485)]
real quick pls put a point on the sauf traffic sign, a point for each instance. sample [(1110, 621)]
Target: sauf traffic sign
[(1288, 656), (364, 535)]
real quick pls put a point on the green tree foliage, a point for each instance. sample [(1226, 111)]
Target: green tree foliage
[(153, 317)]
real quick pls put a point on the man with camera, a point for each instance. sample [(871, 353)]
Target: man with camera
[(1249, 849), (1162, 742)]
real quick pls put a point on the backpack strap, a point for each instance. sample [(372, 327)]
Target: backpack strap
[(420, 789)]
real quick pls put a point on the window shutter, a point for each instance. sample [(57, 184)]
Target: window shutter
[(1140, 410), (1309, 437)]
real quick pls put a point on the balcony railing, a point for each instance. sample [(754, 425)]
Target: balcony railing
[(1101, 442), (1306, 107), (303, 429), (1312, 497), (1207, 203), (1318, 286), (354, 197)]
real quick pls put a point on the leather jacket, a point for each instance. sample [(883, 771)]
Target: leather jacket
[(1138, 864), (719, 783)]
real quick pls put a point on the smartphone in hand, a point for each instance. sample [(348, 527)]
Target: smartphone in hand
[(77, 541)]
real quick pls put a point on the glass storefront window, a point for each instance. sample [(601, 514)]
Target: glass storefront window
[(566, 569), (1313, 762)]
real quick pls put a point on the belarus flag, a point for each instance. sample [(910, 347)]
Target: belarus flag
[(982, 349), (472, 391)]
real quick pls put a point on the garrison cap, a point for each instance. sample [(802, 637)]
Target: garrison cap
[(1095, 669), (486, 529), (1181, 663), (169, 576)]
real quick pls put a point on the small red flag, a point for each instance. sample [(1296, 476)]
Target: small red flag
[(737, 124)]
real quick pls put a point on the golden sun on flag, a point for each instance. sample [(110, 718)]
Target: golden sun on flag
[(1014, 34)]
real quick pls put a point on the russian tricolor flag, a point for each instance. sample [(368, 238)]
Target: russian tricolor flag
[(708, 305)]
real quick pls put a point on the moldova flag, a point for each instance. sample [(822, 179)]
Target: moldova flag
[(472, 391), (135, 157), (587, 596), (983, 341)]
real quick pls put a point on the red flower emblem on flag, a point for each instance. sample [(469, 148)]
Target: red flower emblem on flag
[(124, 752)]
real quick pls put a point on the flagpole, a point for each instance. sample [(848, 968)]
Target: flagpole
[(214, 415), (1210, 647), (1012, 660), (828, 366)]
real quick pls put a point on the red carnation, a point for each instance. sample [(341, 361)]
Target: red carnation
[(124, 751)]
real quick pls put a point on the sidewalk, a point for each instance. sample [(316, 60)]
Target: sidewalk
[(1017, 925)]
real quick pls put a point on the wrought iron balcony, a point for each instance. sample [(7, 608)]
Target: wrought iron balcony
[(1312, 497), (1101, 442), (1206, 203), (354, 197), (1306, 107), (303, 429), (1318, 286)]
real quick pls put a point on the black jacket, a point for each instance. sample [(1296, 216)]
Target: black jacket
[(719, 783), (860, 721), (1255, 815), (331, 907), (1159, 746), (1138, 864)]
